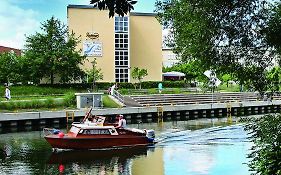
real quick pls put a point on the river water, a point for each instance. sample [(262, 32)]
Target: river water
[(195, 147)]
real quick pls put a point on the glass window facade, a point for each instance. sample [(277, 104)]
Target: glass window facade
[(122, 57), (121, 74), (121, 24)]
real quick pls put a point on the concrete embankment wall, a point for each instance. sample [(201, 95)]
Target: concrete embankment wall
[(144, 114)]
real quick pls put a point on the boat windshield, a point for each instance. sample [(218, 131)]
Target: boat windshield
[(74, 129)]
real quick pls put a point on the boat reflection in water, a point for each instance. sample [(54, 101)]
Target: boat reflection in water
[(113, 161)]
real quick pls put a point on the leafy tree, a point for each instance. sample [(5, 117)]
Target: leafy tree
[(53, 53), (265, 133), (273, 30), (95, 74), (120, 7), (274, 76), (10, 69), (139, 74), (226, 36), (191, 69)]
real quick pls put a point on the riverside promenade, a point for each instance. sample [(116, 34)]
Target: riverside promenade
[(144, 114)]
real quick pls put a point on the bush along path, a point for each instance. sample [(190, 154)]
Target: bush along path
[(65, 101)]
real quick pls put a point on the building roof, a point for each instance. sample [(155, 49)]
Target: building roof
[(81, 6), (9, 49), (92, 7)]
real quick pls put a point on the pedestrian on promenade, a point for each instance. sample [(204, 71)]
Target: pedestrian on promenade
[(112, 89), (7, 93), (160, 87)]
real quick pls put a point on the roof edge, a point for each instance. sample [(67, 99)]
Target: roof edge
[(81, 6), (92, 7)]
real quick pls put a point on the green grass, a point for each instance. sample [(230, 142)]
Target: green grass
[(109, 103), (33, 90), (230, 88)]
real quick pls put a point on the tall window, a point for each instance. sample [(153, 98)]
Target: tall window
[(121, 49), (121, 74), (121, 24), (121, 41), (121, 58)]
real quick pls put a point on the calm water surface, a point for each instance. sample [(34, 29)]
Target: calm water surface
[(199, 147)]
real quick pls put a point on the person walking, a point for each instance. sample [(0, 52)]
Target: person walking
[(7, 93), (160, 87)]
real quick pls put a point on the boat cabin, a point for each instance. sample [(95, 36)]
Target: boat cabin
[(91, 129)]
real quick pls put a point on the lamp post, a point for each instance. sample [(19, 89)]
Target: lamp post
[(213, 82)]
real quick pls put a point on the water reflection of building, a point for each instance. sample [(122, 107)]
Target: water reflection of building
[(152, 164)]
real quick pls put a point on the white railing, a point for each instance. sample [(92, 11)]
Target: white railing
[(118, 96)]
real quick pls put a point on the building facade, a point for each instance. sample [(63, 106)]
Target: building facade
[(118, 44), (169, 57)]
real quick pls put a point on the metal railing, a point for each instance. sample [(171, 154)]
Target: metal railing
[(118, 96)]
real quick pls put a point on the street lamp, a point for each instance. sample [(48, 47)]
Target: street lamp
[(213, 82)]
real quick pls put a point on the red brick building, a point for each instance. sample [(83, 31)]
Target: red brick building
[(9, 49)]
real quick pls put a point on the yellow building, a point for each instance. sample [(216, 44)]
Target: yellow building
[(119, 44)]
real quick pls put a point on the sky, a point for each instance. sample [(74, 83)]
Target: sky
[(21, 18)]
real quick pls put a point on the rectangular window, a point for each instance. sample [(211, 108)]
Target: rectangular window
[(96, 131), (121, 49), (121, 41), (121, 24), (121, 75)]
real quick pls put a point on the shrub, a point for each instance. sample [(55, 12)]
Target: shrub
[(265, 133), (70, 99)]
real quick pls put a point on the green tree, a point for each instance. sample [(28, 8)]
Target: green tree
[(191, 69), (265, 133), (273, 30), (10, 69), (226, 36), (120, 7), (94, 74), (53, 53), (139, 74), (226, 78), (274, 76)]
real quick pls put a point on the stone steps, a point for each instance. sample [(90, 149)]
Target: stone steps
[(183, 99)]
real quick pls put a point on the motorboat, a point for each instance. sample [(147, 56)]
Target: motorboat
[(96, 135)]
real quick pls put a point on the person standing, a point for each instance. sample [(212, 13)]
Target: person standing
[(7, 93), (112, 89), (160, 87)]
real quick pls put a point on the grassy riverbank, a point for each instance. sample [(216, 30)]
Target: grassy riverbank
[(32, 98)]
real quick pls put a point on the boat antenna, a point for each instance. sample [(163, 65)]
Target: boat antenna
[(87, 114)]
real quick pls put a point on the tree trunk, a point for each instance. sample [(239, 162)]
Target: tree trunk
[(52, 78), (140, 84)]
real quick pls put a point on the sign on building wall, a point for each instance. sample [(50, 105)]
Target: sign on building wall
[(92, 49)]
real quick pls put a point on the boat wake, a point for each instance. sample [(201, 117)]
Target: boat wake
[(215, 135)]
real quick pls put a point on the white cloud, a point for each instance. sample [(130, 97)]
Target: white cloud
[(15, 23)]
